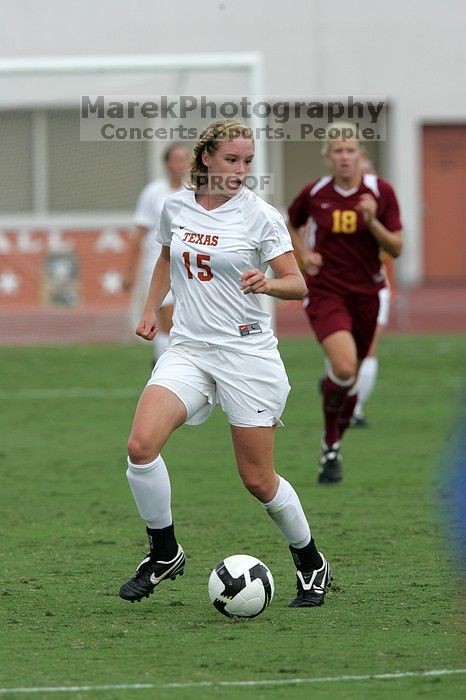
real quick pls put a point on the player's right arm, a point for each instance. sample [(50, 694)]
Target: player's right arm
[(158, 290)]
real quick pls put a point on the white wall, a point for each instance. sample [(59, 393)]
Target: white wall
[(413, 52)]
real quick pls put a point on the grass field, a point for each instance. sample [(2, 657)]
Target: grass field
[(70, 534)]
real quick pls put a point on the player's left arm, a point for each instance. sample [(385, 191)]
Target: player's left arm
[(288, 282), (390, 241)]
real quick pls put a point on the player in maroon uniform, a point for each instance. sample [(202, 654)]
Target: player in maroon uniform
[(352, 218)]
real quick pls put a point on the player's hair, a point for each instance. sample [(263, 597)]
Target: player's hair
[(209, 140), (343, 130), (169, 150)]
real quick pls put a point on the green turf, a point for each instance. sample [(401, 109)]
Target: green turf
[(70, 534)]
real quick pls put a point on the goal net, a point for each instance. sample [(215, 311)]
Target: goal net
[(68, 192)]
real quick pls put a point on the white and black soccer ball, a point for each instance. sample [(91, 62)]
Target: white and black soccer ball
[(241, 586)]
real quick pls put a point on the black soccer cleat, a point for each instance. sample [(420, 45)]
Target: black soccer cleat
[(149, 574), (311, 586), (331, 468)]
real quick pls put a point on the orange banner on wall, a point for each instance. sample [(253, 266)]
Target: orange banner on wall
[(58, 267)]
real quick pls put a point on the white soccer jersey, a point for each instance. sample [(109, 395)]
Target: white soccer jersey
[(148, 210), (209, 250)]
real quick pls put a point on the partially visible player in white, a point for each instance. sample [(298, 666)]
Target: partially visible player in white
[(217, 240), (144, 248), (369, 369)]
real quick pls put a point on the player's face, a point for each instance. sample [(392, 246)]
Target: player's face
[(177, 162), (345, 158), (229, 165)]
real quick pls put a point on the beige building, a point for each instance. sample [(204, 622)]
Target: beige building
[(412, 54)]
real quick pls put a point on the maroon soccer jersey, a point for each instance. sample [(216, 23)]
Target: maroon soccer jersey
[(350, 253)]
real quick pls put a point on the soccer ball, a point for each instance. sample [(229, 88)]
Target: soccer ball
[(241, 586)]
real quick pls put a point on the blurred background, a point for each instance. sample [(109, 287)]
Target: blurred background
[(67, 205)]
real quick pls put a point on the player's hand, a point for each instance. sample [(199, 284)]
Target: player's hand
[(147, 326), (312, 263), (254, 282), (367, 205)]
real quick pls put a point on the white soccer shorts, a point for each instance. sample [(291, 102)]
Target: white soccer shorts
[(251, 390)]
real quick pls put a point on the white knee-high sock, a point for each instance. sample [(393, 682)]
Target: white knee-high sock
[(160, 343), (151, 489), (366, 382), (286, 511)]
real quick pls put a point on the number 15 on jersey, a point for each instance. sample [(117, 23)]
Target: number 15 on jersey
[(204, 271)]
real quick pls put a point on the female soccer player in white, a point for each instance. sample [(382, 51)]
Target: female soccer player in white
[(144, 250), (217, 239)]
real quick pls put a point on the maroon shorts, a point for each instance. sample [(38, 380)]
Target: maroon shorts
[(329, 312)]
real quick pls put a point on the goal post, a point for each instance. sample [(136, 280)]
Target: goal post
[(249, 62), (62, 217)]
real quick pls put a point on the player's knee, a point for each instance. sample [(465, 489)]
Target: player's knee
[(141, 450), (345, 369), (257, 486)]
